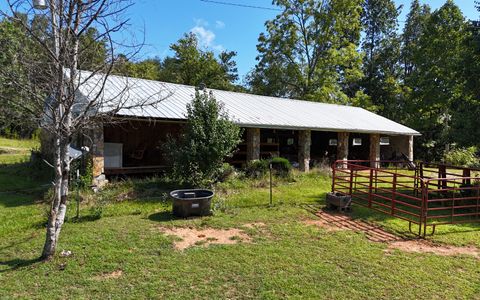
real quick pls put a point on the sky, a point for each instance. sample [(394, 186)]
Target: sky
[(218, 26), (222, 27)]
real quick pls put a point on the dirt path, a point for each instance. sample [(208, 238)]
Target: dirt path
[(332, 221)]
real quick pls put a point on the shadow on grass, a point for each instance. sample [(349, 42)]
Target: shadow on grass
[(23, 183), (163, 216), (18, 263)]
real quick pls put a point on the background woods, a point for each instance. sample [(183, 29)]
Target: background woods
[(421, 71)]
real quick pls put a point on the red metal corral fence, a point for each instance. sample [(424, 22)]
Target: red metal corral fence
[(424, 194)]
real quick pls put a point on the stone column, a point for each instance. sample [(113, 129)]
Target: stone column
[(98, 161), (253, 144), (374, 150), (410, 148), (304, 143), (342, 146)]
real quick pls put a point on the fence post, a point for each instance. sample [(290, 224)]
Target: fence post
[(394, 192), (478, 199), (351, 182), (466, 173), (370, 187), (425, 186), (334, 167)]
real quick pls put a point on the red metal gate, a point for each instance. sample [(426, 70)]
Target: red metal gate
[(426, 195)]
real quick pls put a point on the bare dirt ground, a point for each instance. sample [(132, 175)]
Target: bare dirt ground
[(190, 236), (332, 221)]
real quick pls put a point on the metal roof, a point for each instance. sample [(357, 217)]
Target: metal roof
[(168, 101)]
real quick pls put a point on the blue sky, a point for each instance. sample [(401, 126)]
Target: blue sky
[(221, 26), (163, 22)]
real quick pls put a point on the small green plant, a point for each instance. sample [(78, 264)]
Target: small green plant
[(226, 171), (281, 166), (257, 169), (209, 138), (466, 157)]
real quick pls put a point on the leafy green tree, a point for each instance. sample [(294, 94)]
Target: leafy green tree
[(414, 28), (309, 51), (438, 79), (465, 113), (381, 45), (192, 66), (209, 138), (92, 51), (15, 46)]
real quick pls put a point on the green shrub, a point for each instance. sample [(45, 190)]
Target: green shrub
[(226, 171), (209, 138), (257, 168), (281, 166), (466, 157)]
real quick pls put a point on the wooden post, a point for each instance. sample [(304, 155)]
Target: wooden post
[(253, 144), (304, 143), (342, 147), (374, 150)]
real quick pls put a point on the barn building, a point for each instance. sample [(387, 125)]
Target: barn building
[(304, 132)]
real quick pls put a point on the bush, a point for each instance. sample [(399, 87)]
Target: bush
[(226, 171), (281, 166), (259, 168), (209, 138), (466, 157)]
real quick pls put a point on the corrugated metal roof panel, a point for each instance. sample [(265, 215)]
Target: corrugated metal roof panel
[(245, 109)]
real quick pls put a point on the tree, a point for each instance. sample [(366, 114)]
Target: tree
[(192, 66), (14, 46), (381, 46), (209, 138), (465, 112), (438, 78), (309, 51), (412, 32), (66, 115)]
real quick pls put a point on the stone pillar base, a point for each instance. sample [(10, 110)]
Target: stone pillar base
[(253, 144), (374, 156), (342, 147), (304, 144)]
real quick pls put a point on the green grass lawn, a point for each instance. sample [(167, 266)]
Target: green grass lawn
[(119, 230), (14, 151)]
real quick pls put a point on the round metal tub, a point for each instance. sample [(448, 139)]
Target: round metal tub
[(193, 202)]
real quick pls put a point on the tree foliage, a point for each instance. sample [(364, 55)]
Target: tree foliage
[(309, 51), (189, 65), (438, 81), (381, 45), (210, 136)]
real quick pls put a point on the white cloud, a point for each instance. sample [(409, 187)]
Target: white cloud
[(219, 25), (206, 37), (200, 22)]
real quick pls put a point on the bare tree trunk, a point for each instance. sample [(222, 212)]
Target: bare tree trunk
[(68, 22), (51, 241), (58, 206)]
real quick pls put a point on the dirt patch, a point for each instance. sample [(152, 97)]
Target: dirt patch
[(423, 246), (203, 237), (113, 275), (334, 222)]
